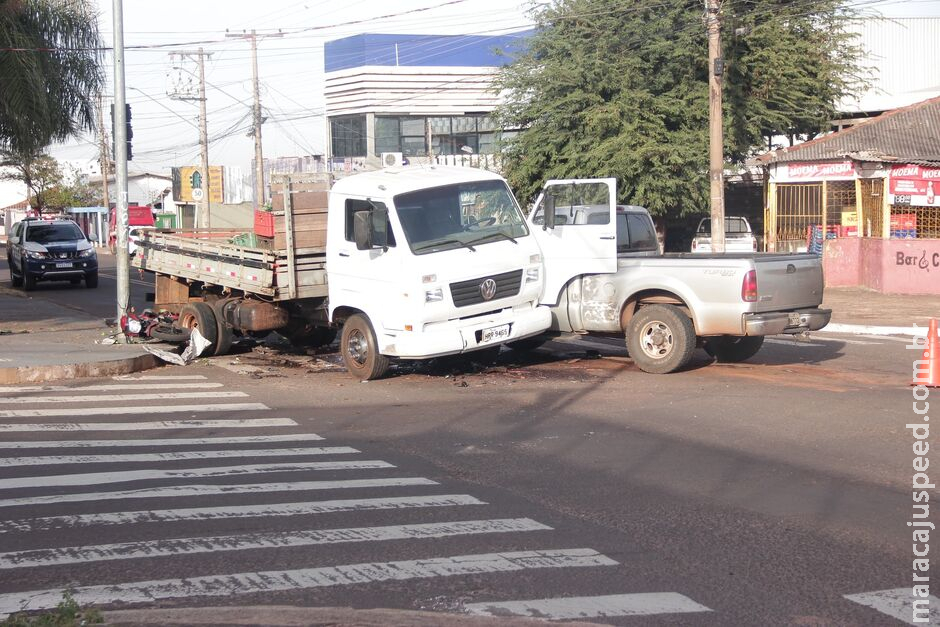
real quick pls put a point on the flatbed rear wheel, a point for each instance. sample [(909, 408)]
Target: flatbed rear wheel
[(200, 316), (360, 349), (660, 338)]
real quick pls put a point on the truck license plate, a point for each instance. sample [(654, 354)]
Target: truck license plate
[(63, 265), (794, 319), (494, 334)]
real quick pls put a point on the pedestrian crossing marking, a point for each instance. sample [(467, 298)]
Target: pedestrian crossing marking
[(606, 606), (102, 478), (898, 604), (160, 377), (210, 490), (107, 398), (107, 387), (249, 439), (224, 585), (49, 523), (192, 546), (174, 456), (151, 426), (138, 409)]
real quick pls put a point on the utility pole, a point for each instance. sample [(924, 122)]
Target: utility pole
[(203, 218), (259, 160), (105, 158), (120, 163), (716, 161)]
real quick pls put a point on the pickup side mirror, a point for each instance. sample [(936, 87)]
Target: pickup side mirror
[(93, 238), (13, 240), (548, 211), (362, 230)]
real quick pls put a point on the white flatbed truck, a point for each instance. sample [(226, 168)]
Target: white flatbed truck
[(419, 262)]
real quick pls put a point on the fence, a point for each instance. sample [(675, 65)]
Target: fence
[(796, 212)]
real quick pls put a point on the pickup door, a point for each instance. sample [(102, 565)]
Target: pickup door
[(583, 239)]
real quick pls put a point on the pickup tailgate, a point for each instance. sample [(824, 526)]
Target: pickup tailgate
[(788, 282)]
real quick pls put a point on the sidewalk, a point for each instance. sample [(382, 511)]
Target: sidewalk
[(42, 341), (862, 311)]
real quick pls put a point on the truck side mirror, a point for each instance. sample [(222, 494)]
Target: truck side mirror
[(362, 229), (548, 211)]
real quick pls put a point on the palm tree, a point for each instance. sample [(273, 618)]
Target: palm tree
[(50, 71)]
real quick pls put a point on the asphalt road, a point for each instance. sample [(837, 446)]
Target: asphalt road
[(763, 493)]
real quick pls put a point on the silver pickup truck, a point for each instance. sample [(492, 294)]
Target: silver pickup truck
[(604, 274)]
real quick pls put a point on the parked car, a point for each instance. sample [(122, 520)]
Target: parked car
[(738, 236), (50, 250)]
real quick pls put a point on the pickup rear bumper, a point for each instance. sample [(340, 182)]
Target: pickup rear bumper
[(789, 322)]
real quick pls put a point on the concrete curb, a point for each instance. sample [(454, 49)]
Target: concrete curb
[(290, 616), (866, 329), (40, 374)]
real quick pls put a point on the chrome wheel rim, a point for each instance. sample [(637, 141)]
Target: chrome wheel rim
[(656, 339), (357, 347)]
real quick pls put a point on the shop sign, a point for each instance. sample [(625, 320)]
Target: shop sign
[(914, 185), (811, 171)]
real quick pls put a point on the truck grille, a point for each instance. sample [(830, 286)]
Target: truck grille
[(467, 293)]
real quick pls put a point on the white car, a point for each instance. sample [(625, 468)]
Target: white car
[(133, 235), (738, 236)]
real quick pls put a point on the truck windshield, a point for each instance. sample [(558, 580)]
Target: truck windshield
[(49, 233), (457, 216)]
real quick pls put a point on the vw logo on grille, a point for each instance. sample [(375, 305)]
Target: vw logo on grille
[(488, 289)]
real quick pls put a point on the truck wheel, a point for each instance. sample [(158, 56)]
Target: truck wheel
[(660, 338), (361, 350), (727, 349), (200, 316), (225, 334)]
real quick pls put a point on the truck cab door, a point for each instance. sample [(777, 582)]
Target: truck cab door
[(583, 238)]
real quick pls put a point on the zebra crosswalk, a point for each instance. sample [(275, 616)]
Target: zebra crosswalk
[(122, 508)]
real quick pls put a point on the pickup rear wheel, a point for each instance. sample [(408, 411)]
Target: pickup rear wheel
[(727, 349), (660, 338), (360, 349)]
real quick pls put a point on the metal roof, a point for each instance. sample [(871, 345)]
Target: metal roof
[(908, 135)]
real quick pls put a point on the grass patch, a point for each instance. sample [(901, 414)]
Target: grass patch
[(68, 613)]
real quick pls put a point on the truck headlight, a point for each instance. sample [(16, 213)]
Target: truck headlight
[(434, 296), (32, 254), (531, 275), (89, 252)]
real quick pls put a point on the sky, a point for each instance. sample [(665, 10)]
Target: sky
[(290, 67)]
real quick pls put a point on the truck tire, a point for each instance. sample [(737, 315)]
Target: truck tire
[(727, 349), (200, 316), (660, 338), (225, 334), (360, 349)]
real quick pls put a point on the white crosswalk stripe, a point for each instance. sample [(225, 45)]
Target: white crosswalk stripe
[(213, 490), (899, 604), (117, 398), (137, 409), (244, 423), (106, 387), (191, 546), (174, 456), (49, 523), (102, 478), (607, 606), (250, 439), (160, 377), (308, 578)]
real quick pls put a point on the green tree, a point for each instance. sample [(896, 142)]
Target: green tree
[(50, 54), (619, 88), (35, 169)]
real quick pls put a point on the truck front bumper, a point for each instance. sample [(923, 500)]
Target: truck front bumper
[(464, 335), (789, 322)]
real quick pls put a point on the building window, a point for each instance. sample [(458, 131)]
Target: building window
[(348, 136), (451, 135)]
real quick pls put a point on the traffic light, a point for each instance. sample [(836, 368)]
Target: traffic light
[(129, 129)]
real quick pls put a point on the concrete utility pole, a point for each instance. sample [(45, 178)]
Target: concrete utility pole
[(105, 159), (259, 157), (120, 163), (716, 161)]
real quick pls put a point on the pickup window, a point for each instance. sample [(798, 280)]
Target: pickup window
[(635, 233)]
